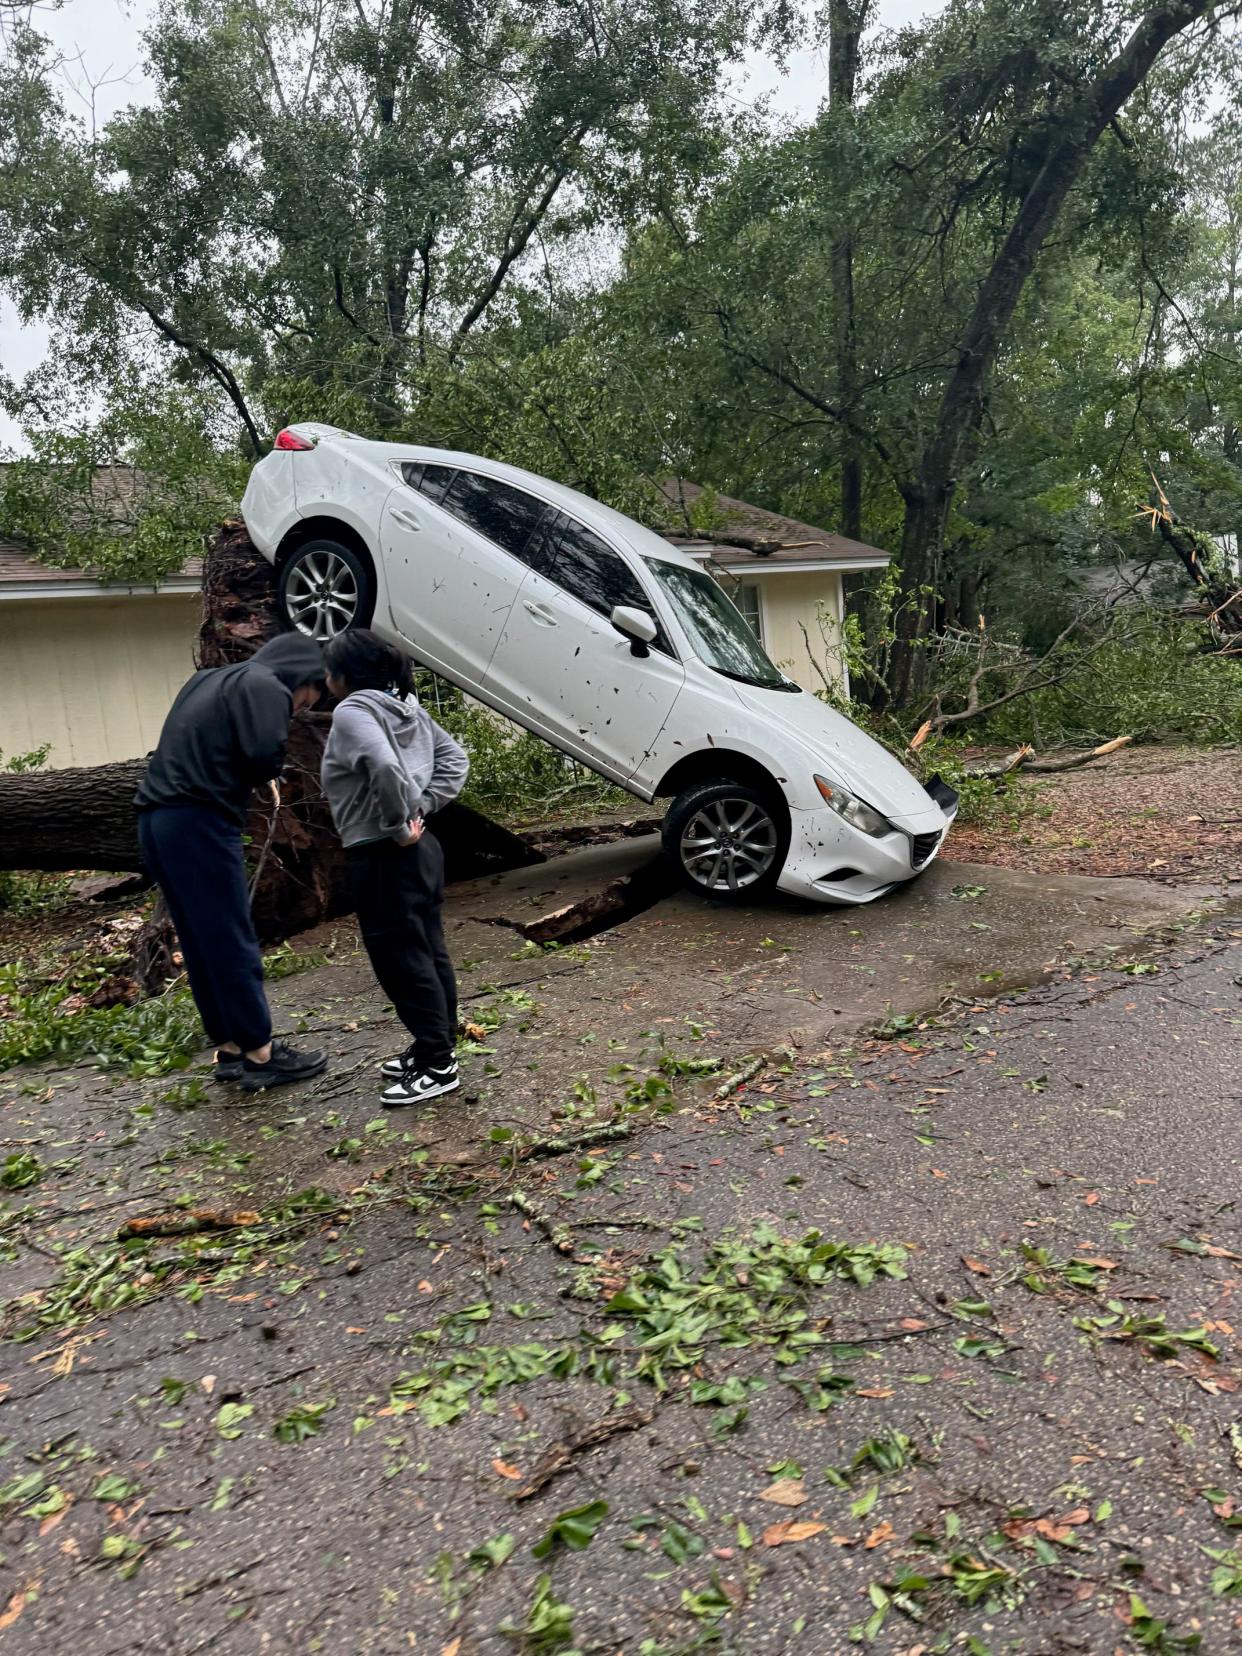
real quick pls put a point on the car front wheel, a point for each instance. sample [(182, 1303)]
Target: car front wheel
[(728, 840), (324, 589)]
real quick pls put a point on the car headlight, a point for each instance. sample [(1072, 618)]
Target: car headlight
[(855, 811)]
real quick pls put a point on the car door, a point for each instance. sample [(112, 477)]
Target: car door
[(453, 541), (562, 669)]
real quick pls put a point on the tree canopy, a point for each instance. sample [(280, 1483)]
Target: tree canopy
[(973, 310)]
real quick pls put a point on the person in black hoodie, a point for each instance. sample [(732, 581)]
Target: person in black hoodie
[(224, 735)]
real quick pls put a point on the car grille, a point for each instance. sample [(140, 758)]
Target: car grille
[(923, 846)]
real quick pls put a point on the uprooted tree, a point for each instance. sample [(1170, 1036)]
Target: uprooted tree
[(84, 818)]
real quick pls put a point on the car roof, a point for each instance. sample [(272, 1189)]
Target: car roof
[(637, 537)]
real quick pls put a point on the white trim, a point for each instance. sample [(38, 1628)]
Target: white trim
[(764, 628), (178, 586), (754, 566)]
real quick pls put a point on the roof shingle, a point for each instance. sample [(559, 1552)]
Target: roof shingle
[(775, 540)]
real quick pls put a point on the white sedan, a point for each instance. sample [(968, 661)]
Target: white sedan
[(600, 637)]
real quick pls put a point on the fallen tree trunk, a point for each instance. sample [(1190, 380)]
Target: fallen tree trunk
[(57, 821)]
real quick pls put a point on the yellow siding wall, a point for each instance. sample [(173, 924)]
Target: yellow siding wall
[(92, 676), (790, 602)]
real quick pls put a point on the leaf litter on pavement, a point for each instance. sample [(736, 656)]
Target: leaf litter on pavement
[(935, 1456)]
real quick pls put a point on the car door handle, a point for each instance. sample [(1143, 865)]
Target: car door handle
[(543, 616), (407, 520)]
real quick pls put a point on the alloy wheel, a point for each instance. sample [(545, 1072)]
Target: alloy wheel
[(729, 845), (321, 595)]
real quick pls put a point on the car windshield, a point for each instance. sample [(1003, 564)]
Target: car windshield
[(716, 627)]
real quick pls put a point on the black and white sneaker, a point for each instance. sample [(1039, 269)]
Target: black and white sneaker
[(285, 1066), (394, 1068), (417, 1086)]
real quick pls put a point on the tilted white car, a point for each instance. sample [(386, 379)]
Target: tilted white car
[(599, 636)]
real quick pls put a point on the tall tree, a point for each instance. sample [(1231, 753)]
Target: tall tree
[(847, 21), (324, 196), (975, 136)]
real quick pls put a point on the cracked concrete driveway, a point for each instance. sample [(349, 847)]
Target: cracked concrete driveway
[(920, 1339)]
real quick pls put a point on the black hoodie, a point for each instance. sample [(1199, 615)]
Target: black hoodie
[(228, 727)]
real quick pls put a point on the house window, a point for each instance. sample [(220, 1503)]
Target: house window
[(746, 596)]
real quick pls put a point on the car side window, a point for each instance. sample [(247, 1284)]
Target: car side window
[(432, 481), (504, 514), (592, 572)]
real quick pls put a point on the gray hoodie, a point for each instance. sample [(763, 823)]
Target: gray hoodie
[(387, 761)]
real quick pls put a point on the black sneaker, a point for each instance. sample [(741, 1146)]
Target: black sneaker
[(285, 1066), (394, 1068), (416, 1087), (227, 1067)]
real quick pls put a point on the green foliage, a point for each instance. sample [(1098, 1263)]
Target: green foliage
[(131, 497), (303, 1421), (516, 776), (1158, 685), (52, 1020), (293, 225), (548, 1627), (20, 1170), (18, 764), (574, 1529), (1152, 1334), (286, 961)]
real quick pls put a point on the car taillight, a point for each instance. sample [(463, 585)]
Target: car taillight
[(289, 439)]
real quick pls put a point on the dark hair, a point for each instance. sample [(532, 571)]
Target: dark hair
[(366, 662)]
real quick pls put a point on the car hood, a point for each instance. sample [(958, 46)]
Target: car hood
[(839, 750)]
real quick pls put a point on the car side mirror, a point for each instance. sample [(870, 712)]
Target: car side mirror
[(637, 626)]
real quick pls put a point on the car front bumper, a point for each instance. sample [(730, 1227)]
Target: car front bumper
[(830, 861)]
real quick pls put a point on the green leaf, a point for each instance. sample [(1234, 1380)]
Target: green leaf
[(230, 1416), (865, 1502), (113, 1487), (492, 1554), (573, 1529)]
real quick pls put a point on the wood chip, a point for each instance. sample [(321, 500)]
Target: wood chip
[(777, 1535), (786, 1492)]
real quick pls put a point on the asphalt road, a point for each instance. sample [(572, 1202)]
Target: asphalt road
[(998, 1391)]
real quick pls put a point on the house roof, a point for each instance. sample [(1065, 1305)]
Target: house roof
[(114, 489), (767, 540), (22, 577)]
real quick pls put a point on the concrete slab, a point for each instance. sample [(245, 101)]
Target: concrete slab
[(782, 972)]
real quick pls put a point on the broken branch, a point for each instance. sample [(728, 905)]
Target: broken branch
[(749, 1070), (1023, 759), (188, 1223), (559, 1457), (557, 1232)]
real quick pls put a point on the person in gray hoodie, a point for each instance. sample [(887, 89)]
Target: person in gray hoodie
[(387, 767)]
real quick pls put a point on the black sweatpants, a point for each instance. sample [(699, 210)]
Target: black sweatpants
[(195, 856), (397, 892)]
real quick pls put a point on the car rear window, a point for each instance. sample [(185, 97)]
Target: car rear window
[(504, 514), (432, 481), (592, 572)]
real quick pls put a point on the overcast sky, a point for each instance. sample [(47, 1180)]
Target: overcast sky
[(101, 40)]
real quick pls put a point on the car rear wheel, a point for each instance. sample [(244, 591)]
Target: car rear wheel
[(727, 840), (325, 588)]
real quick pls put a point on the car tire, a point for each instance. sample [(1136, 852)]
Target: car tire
[(325, 588), (727, 840)]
